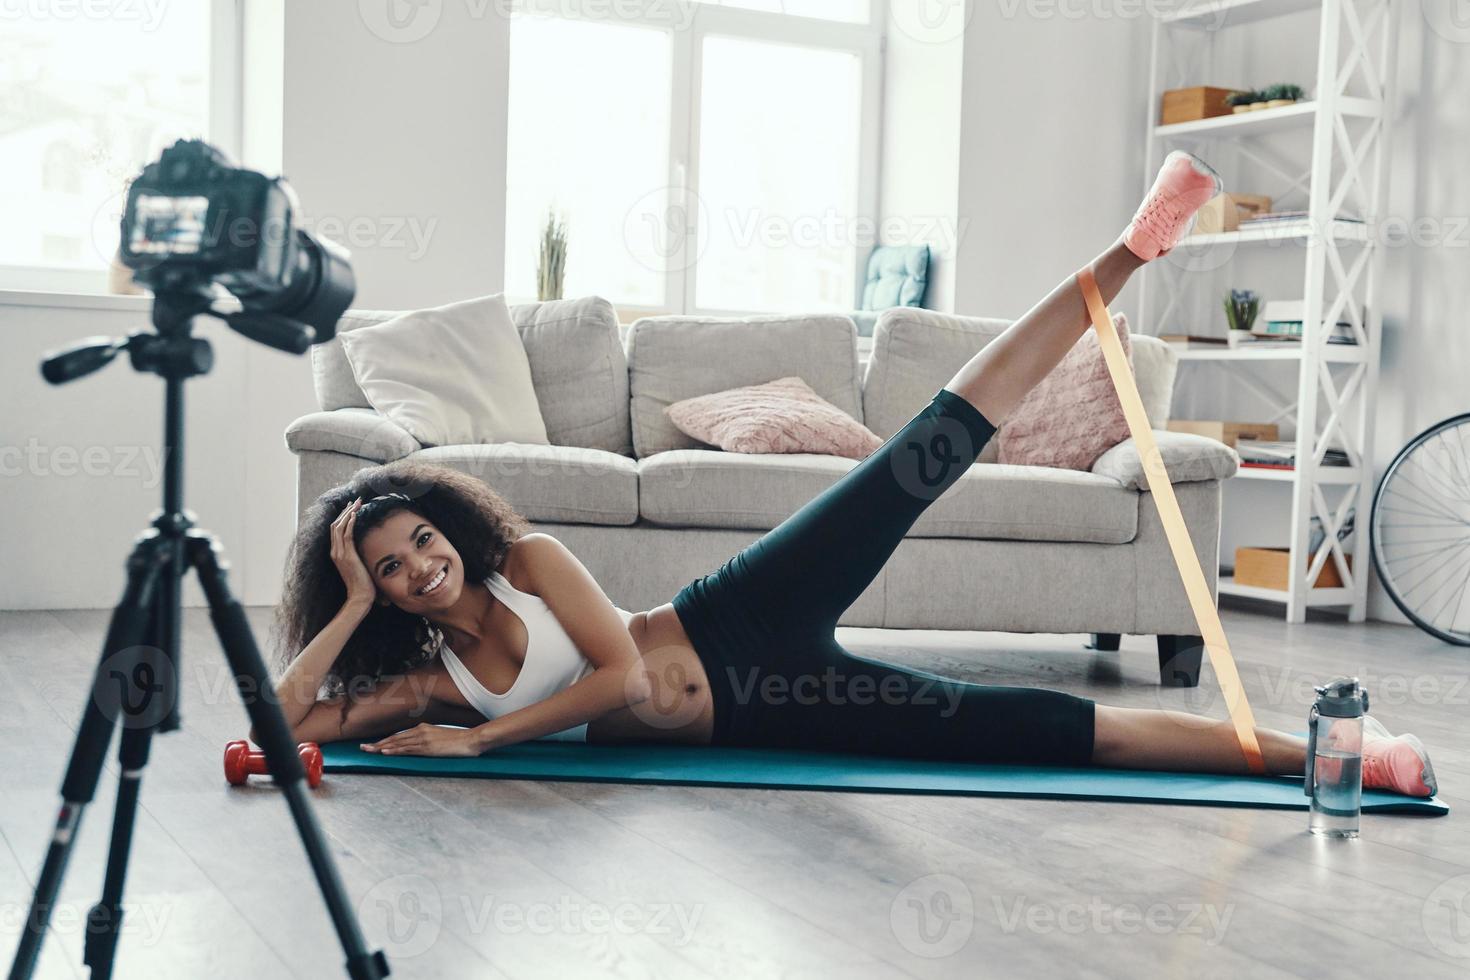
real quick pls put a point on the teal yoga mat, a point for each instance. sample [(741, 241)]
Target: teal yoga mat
[(792, 769)]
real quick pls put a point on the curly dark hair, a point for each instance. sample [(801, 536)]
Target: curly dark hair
[(475, 519)]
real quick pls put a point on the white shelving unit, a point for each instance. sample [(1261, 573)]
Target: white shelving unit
[(1340, 133)]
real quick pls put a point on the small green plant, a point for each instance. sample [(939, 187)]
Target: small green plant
[(1268, 94), (1241, 307), (1273, 92), (551, 264)]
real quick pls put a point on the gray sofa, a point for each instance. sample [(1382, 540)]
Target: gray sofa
[(1017, 548)]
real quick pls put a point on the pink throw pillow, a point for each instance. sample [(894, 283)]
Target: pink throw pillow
[(782, 416), (1074, 415)]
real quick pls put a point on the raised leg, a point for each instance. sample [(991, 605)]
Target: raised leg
[(1107, 642), (996, 379), (1179, 660)]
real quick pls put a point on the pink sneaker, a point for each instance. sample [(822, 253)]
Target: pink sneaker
[(1184, 184), (1395, 763)]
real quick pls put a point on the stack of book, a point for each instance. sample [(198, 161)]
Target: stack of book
[(1281, 217), (1263, 454), (1282, 319)]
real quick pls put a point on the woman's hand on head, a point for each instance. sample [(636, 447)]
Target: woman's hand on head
[(427, 739), (350, 566)]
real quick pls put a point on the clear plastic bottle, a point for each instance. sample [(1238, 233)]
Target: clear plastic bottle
[(1334, 776)]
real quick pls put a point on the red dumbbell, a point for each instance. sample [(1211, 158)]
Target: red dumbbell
[(241, 762)]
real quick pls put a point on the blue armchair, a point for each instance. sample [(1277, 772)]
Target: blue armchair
[(897, 276)]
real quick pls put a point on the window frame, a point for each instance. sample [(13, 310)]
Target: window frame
[(865, 40), (222, 128)]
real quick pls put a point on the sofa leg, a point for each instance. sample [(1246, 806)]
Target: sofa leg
[(1179, 660), (1105, 641)]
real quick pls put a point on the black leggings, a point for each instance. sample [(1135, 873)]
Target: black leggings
[(763, 625)]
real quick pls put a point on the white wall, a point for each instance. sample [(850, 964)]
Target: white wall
[(919, 184), (399, 140), (82, 469), (1051, 149)]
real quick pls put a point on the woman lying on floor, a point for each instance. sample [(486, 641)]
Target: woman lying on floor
[(442, 593)]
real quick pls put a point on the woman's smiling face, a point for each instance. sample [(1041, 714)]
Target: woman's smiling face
[(413, 565)]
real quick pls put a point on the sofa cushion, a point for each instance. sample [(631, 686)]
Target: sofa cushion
[(916, 351), (708, 488), (359, 432), (1187, 458), (452, 375), (1073, 415), (577, 367), (671, 358), (1154, 365), (781, 416), (569, 484)]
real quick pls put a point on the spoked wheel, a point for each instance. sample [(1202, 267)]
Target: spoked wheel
[(1421, 530)]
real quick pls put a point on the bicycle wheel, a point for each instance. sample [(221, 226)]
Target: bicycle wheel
[(1421, 530)]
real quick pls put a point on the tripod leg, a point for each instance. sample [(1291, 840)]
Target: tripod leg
[(104, 920), (152, 702), (275, 739), (127, 631)]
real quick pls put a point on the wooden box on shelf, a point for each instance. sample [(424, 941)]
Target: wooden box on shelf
[(1267, 568), (1225, 212), (1188, 104), (1226, 432)]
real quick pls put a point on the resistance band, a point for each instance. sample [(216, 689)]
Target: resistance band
[(1185, 558)]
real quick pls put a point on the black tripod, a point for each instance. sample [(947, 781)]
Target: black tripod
[(136, 683)]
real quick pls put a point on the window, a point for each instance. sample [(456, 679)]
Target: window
[(778, 172), (855, 11), (568, 142), (88, 95), (719, 164)]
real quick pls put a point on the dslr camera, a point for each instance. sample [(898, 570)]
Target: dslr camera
[(193, 218)]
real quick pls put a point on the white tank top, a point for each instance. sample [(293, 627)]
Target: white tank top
[(552, 662)]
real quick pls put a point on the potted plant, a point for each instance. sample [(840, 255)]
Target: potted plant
[(551, 265), (1241, 307), (1243, 100), (1250, 100), (1279, 95)]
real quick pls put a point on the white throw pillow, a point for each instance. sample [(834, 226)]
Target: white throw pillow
[(452, 376)]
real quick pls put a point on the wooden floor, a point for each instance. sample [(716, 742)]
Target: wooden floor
[(458, 878)]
